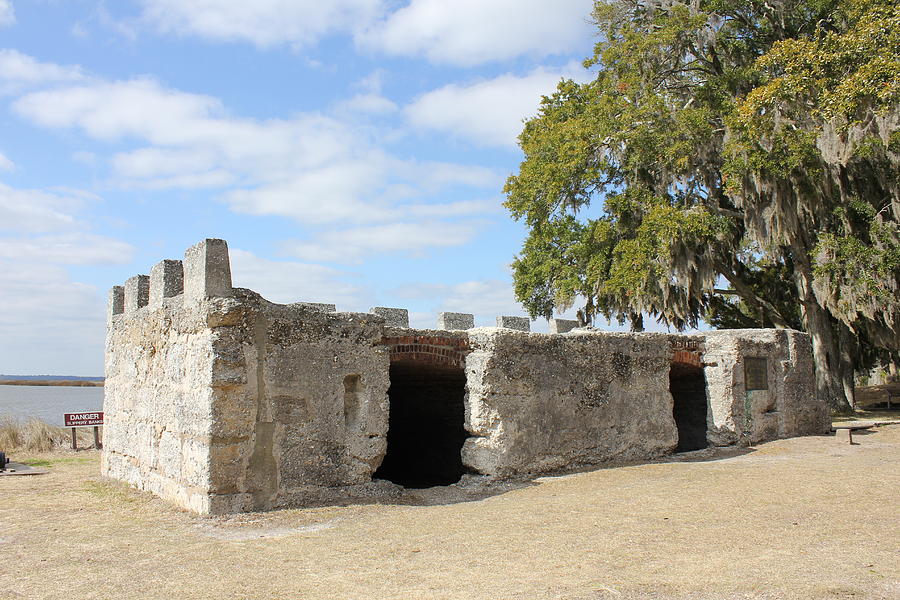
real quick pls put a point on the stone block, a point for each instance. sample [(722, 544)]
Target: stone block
[(166, 280), (207, 270), (316, 306), (393, 317), (451, 320), (518, 323), (116, 303), (562, 325), (137, 292)]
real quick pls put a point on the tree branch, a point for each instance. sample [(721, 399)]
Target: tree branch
[(747, 294)]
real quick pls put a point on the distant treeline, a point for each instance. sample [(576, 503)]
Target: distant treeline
[(4, 377), (54, 382)]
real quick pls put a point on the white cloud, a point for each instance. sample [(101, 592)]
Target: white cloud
[(326, 194), (19, 71), (6, 164), (349, 245), (35, 211), (49, 322), (454, 209), (7, 13), (42, 227), (153, 162), (84, 157), (70, 248), (368, 103), (434, 175), (369, 100), (312, 167), (485, 298), (261, 22), (471, 32), (286, 281), (47, 319), (138, 108), (209, 179), (488, 112)]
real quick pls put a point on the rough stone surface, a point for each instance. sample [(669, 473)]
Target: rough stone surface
[(787, 408), (319, 306), (562, 325), (517, 323), (541, 402), (393, 317), (166, 281), (221, 401), (115, 302), (207, 270), (455, 321), (137, 293)]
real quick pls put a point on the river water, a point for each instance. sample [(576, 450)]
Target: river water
[(48, 403)]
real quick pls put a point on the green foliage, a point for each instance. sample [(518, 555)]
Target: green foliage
[(730, 311), (824, 121), (751, 142)]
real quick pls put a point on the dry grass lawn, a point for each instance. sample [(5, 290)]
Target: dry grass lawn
[(800, 518)]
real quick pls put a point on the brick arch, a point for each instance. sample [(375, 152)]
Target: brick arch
[(428, 349), (688, 357)]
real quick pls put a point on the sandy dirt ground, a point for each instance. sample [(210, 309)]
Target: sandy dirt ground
[(800, 518)]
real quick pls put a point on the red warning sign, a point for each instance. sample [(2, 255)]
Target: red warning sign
[(83, 419)]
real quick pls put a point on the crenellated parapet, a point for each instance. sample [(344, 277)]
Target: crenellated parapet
[(205, 272)]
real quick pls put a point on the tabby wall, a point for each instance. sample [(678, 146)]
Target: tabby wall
[(739, 410), (222, 401), (159, 363), (540, 402)]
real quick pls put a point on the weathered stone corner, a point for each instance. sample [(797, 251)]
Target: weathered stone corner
[(518, 323), (450, 321), (166, 281), (393, 317), (137, 293), (207, 270), (116, 301), (562, 325), (316, 306)]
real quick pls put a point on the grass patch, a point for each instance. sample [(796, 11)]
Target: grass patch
[(35, 435), (110, 491), (64, 460)]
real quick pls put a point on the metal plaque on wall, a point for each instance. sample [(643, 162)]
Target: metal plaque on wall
[(756, 373)]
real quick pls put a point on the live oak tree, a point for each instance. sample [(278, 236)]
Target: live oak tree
[(731, 161)]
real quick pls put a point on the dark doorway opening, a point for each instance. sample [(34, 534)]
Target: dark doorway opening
[(688, 387), (426, 427)]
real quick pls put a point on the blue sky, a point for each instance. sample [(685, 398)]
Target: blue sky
[(350, 151)]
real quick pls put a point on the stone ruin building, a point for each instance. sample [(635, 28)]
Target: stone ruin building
[(221, 401)]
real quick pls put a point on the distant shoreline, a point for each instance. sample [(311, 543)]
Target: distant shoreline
[(53, 382)]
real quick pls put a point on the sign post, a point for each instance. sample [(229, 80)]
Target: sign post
[(84, 419)]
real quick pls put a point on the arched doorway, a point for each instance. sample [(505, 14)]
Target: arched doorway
[(687, 385), (426, 428)]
